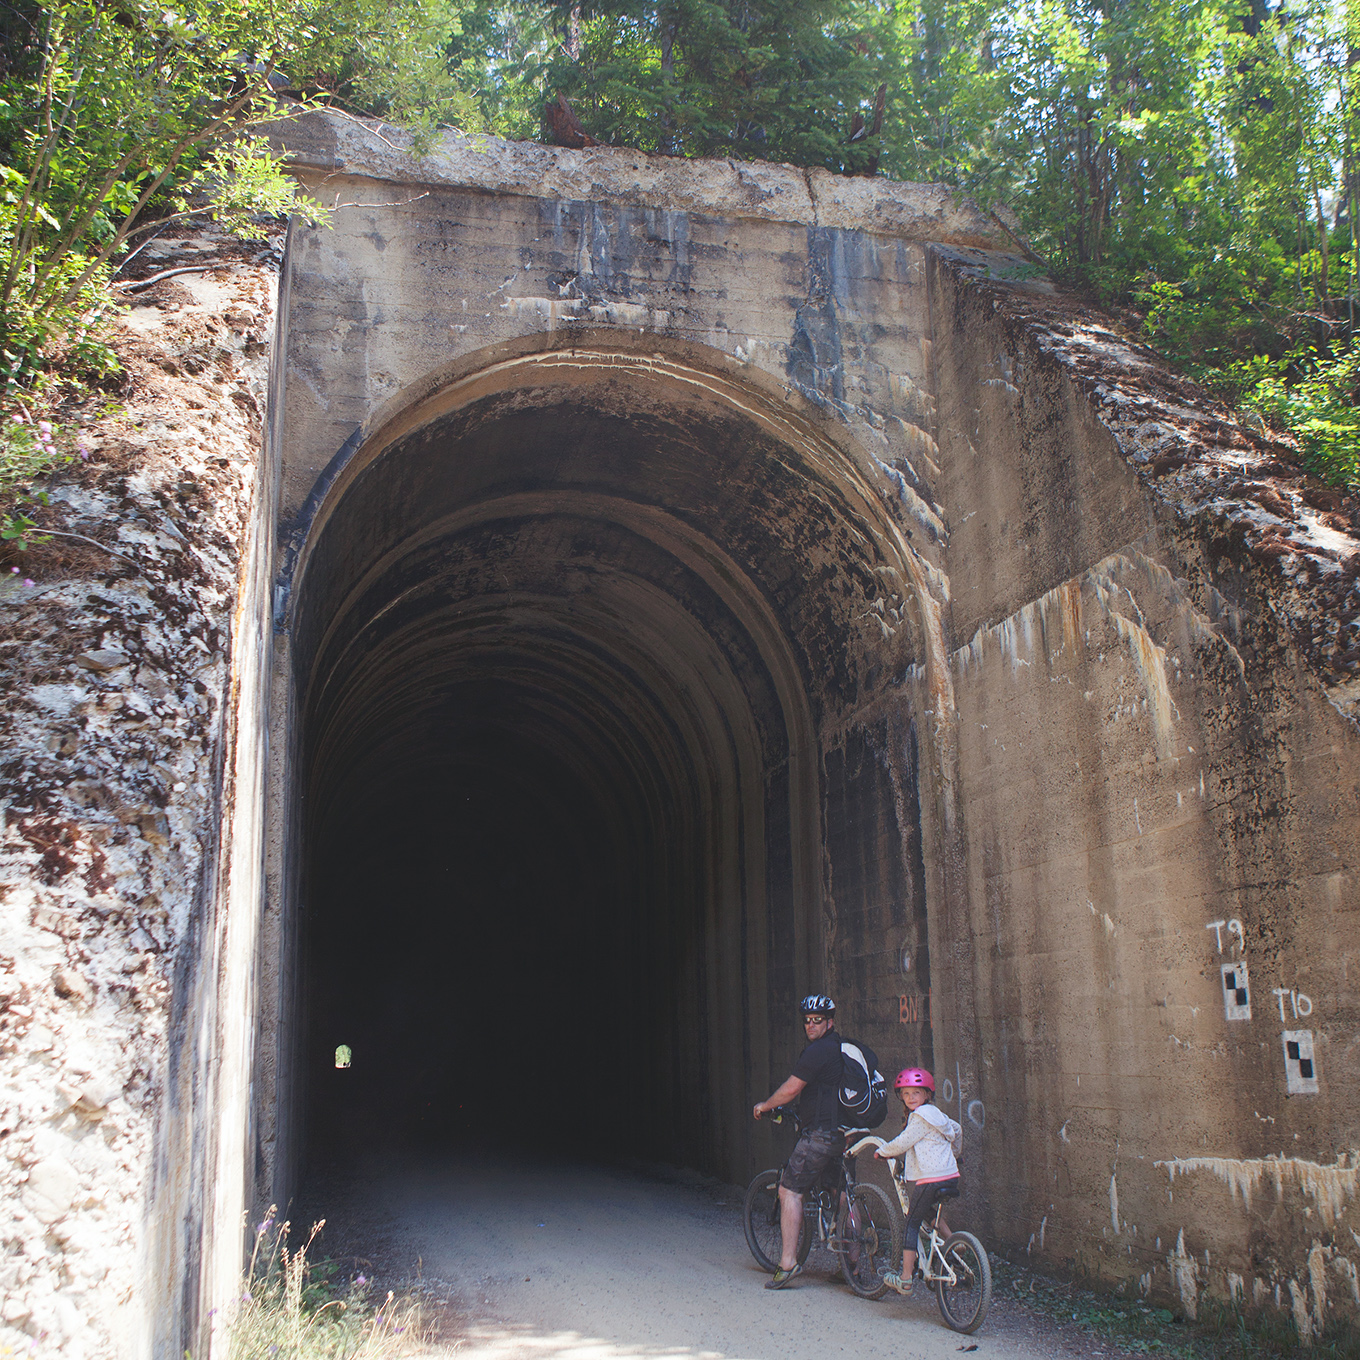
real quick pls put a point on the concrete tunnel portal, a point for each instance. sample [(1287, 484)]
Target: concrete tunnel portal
[(565, 630), (664, 587)]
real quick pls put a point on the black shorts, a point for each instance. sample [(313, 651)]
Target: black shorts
[(814, 1151)]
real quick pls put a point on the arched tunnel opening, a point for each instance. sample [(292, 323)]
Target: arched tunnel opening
[(562, 650)]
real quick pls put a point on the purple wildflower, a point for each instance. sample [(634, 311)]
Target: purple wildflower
[(28, 581)]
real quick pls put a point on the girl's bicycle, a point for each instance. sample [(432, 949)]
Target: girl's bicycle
[(856, 1220), (957, 1265)]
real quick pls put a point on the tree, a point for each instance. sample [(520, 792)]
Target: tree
[(743, 78), (116, 105)]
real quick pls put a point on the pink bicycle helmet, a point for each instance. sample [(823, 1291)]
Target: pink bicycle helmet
[(914, 1076)]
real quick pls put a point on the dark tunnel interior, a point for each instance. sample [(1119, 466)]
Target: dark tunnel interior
[(559, 789), (471, 932)]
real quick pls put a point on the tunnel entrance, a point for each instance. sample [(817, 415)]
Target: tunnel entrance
[(563, 640)]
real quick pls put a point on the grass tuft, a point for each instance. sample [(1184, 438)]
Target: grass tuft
[(292, 1308)]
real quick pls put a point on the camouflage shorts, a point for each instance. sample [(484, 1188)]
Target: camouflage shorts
[(814, 1151)]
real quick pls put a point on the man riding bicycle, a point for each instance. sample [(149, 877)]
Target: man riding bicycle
[(815, 1080)]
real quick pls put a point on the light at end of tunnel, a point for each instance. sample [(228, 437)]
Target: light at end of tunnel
[(342, 1055)]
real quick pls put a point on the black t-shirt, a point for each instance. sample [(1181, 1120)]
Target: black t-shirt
[(819, 1064)]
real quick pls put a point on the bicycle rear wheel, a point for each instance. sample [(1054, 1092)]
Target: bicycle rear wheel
[(760, 1219), (964, 1304), (868, 1240)]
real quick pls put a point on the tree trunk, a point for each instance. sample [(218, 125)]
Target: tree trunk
[(670, 143), (1323, 290)]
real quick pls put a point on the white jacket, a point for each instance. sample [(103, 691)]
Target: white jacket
[(928, 1146)]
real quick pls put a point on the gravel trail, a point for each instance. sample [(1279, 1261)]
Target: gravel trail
[(524, 1260)]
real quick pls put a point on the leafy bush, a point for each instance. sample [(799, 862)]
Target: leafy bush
[(1321, 408), (120, 113)]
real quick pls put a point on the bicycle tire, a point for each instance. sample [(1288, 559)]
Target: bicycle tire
[(964, 1305), (868, 1240), (760, 1220)]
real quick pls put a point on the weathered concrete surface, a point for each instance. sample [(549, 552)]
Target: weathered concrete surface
[(550, 366), (333, 148), (1041, 650), (1158, 784), (688, 473)]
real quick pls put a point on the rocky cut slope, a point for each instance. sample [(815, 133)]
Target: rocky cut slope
[(115, 666)]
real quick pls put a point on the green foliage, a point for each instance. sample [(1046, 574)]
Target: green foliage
[(294, 1309), (1320, 406), (120, 109), (29, 450), (774, 79), (243, 180), (1198, 160), (383, 57)]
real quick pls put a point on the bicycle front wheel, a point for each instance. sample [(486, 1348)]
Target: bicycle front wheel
[(760, 1218), (964, 1303), (868, 1240)]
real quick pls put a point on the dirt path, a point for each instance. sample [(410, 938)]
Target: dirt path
[(583, 1263)]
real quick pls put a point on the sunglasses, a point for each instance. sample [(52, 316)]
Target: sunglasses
[(814, 1019)]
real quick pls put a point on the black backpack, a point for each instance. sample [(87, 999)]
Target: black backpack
[(863, 1092)]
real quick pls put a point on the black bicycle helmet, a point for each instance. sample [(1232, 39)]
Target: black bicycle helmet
[(818, 1004)]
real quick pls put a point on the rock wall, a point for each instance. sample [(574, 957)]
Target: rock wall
[(119, 654)]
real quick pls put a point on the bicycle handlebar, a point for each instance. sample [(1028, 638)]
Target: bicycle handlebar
[(871, 1140), (877, 1143)]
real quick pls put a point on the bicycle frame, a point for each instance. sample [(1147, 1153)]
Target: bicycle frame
[(932, 1263), (854, 1218), (821, 1203)]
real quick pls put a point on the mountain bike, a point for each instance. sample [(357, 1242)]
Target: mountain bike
[(957, 1265), (855, 1220)]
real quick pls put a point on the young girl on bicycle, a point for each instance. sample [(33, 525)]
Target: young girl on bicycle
[(929, 1146)]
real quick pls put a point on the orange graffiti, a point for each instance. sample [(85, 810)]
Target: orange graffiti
[(914, 1009)]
